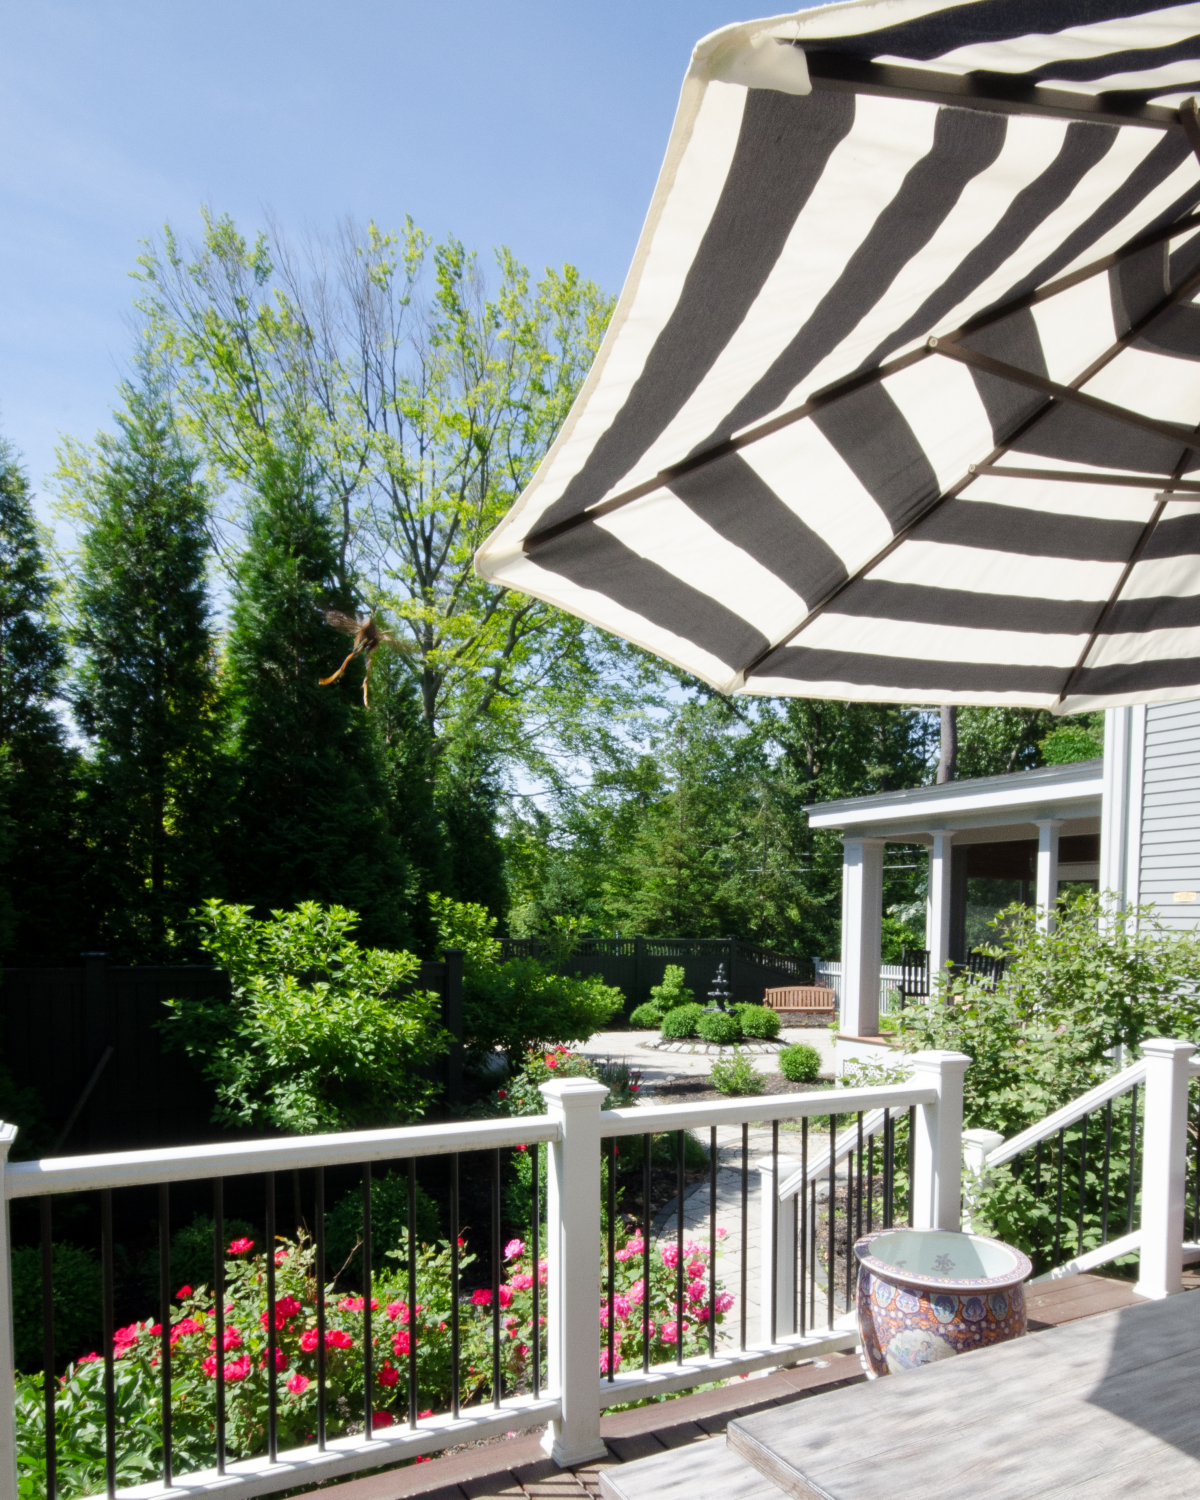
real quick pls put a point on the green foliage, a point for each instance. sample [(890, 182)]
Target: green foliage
[(736, 1075), (1071, 742), (521, 1093), (41, 868), (647, 1016), (800, 1063), (78, 1325), (517, 1004), (682, 1021), (389, 1223), (192, 1252), (315, 1035), (1067, 997), (672, 991), (718, 1026), (146, 690), (311, 821), (758, 1021)]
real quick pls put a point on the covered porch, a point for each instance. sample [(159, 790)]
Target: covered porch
[(1025, 834)]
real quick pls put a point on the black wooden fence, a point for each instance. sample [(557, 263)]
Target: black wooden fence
[(87, 1041), (635, 964)]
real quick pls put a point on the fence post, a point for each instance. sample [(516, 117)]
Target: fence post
[(778, 1249), (8, 1405), (1164, 1166), (977, 1146), (573, 1290), (937, 1154), (639, 946)]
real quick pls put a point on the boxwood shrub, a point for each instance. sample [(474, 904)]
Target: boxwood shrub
[(646, 1016), (759, 1021), (681, 1021), (719, 1027), (800, 1063)]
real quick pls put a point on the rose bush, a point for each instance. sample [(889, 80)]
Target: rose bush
[(396, 1328)]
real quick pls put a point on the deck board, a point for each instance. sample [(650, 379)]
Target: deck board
[(1092, 1407)]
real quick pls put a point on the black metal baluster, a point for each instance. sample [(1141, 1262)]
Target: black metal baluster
[(679, 1250), (647, 1143), (1107, 1161), (612, 1255), (537, 1271), (454, 1330), (830, 1208), (48, 1351), (1082, 1183), (912, 1160), (887, 1167), (368, 1351), (812, 1256), (803, 1217), (320, 1248), (412, 1292), (164, 1323), (496, 1253), (774, 1259), (110, 1403), (712, 1241), (272, 1340), (870, 1184), (858, 1202), (745, 1199), (1132, 1189), (1058, 1200), (1037, 1193), (219, 1313)]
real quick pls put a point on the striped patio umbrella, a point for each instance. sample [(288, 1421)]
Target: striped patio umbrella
[(900, 398)]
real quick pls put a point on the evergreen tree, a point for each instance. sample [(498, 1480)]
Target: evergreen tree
[(39, 857), (146, 693), (312, 811)]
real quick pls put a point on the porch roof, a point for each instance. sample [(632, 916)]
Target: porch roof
[(980, 809)]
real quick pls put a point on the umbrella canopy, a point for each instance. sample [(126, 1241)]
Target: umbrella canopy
[(900, 399)]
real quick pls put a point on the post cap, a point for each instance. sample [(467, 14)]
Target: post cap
[(1164, 1046), (573, 1093), (940, 1062)]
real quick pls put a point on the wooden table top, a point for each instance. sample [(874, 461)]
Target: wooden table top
[(1107, 1407)]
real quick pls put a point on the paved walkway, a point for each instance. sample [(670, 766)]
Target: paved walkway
[(516, 1468), (658, 1067)]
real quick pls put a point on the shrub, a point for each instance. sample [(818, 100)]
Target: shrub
[(718, 1027), (648, 1016), (736, 1075), (517, 1004), (389, 1221), (800, 1063), (521, 1093), (758, 1021), (316, 1034), (681, 1021), (77, 1308), (672, 991)]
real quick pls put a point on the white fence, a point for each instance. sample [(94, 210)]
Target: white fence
[(890, 978)]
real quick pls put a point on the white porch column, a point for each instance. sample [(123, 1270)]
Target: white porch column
[(1164, 1166), (1047, 871), (937, 912), (862, 919), (1121, 808), (938, 1153)]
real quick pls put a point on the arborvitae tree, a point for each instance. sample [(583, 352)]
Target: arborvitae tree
[(146, 693), (40, 909), (311, 818)]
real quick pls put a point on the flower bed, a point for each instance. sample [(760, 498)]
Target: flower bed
[(395, 1327)]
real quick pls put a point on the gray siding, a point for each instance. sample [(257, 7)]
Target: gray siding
[(1171, 811)]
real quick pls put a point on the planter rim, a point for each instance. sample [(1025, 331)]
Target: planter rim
[(901, 1277)]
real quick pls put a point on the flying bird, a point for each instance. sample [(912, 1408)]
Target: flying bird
[(367, 638)]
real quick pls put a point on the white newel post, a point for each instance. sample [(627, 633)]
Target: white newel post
[(937, 1163), (1164, 1166), (977, 1146), (573, 1286), (862, 926), (8, 1408), (778, 1249)]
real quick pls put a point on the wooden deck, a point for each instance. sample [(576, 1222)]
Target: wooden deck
[(515, 1468)]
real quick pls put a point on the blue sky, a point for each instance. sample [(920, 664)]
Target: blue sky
[(539, 125)]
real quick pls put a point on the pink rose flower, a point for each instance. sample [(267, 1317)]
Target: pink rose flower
[(298, 1383), (240, 1247)]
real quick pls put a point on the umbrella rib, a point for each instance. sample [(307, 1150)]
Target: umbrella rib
[(857, 382), (1003, 93), (1184, 289)]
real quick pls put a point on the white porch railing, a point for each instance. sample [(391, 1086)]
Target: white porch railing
[(891, 977), (575, 1131)]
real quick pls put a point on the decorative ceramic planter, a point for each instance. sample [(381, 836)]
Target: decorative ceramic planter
[(925, 1294)]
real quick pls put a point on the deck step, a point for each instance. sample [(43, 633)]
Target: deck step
[(705, 1470)]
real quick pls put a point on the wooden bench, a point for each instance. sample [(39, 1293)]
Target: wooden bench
[(804, 1002)]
